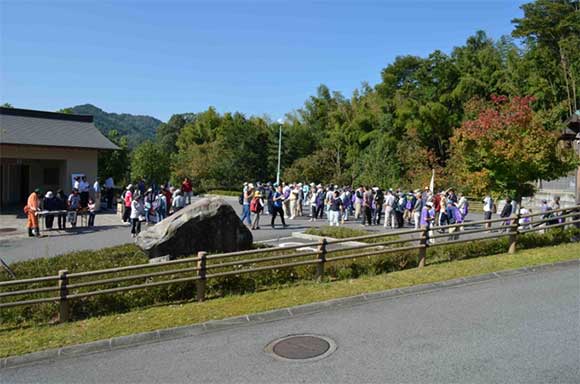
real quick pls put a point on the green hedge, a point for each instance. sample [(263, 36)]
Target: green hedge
[(237, 284)]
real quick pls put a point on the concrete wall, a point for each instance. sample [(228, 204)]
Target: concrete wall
[(67, 160)]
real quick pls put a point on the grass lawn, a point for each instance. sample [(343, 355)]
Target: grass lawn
[(223, 192), (15, 340), (345, 233)]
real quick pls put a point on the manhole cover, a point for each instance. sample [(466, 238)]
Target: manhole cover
[(302, 347), (6, 230)]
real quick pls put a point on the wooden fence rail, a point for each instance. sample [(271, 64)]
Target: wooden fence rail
[(203, 264)]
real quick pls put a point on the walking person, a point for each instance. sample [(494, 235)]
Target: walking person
[(247, 198), (161, 202), (50, 204), (137, 214), (178, 201), (312, 203), (346, 204), (443, 218), (487, 209), (525, 221), (454, 217), (268, 196), (61, 205), (390, 218), (400, 209), (555, 205), (84, 189), (417, 207), (31, 209), (74, 204), (97, 194), (335, 210), (286, 190), (110, 187), (427, 218), (277, 202), (92, 212), (256, 207), (463, 205), (506, 212), (293, 197), (187, 189), (127, 199), (358, 202), (367, 206), (320, 196), (379, 201), (328, 199)]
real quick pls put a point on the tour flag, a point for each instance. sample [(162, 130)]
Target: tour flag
[(432, 183)]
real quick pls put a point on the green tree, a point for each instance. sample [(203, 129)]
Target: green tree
[(115, 163), (554, 26), (167, 133), (150, 163)]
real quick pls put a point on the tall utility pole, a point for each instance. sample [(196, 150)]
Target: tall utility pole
[(279, 151)]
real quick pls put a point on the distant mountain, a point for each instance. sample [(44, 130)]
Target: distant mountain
[(136, 127)]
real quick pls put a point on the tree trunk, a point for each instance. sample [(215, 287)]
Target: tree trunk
[(564, 68)]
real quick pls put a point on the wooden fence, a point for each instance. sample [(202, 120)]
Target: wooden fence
[(202, 267)]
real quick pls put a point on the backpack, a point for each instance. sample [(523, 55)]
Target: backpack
[(358, 194), (255, 205), (241, 199)]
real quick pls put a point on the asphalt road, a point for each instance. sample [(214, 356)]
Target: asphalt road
[(519, 329)]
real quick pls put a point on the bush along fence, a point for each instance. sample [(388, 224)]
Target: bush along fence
[(209, 275)]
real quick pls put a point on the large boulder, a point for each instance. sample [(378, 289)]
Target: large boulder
[(209, 224)]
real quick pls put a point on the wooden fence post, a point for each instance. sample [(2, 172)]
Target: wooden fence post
[(321, 260), (200, 283), (63, 313), (423, 250), (513, 238)]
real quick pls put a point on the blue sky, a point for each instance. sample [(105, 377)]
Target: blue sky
[(257, 57)]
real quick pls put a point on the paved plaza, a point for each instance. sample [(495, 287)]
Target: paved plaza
[(110, 231)]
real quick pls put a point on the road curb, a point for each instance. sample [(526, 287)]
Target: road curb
[(262, 317)]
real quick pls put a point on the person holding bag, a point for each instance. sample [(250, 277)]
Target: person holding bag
[(256, 207)]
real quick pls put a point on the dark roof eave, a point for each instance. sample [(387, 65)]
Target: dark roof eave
[(46, 115), (63, 146)]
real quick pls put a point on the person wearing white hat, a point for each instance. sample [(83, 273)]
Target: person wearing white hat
[(248, 194), (427, 217), (49, 204), (389, 206)]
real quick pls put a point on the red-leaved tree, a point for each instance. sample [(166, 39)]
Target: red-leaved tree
[(505, 148)]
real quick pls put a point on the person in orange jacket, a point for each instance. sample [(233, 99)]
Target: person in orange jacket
[(32, 208)]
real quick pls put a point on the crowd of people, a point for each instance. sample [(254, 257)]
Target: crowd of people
[(370, 206), (154, 203), (84, 198), (421, 208)]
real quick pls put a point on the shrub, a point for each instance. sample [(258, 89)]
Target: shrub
[(232, 284)]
